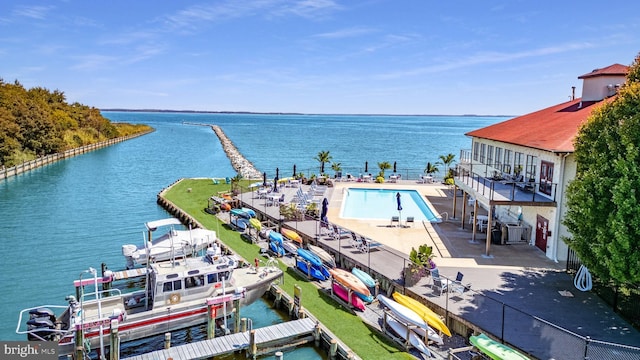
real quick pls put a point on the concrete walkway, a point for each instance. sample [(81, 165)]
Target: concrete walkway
[(517, 294)]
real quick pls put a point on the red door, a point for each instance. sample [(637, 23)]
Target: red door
[(542, 229)]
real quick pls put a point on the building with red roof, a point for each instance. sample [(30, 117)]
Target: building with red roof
[(518, 170)]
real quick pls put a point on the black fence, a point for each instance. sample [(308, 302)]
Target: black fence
[(623, 299)]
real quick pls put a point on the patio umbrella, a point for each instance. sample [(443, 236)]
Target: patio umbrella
[(264, 179), (323, 214), (294, 170), (366, 166), (399, 206), (394, 167), (275, 184), (277, 172)]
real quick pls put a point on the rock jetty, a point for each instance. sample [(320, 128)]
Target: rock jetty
[(243, 166)]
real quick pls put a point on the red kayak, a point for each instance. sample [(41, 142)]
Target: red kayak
[(343, 293)]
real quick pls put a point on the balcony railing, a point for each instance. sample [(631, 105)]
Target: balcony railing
[(494, 186)]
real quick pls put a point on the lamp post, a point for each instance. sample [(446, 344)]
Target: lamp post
[(95, 283)]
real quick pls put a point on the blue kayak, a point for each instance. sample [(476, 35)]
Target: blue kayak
[(240, 224), (315, 272), (276, 248), (275, 237), (366, 279), (310, 257), (244, 212)]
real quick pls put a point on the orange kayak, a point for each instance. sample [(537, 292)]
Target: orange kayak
[(291, 235), (350, 281)]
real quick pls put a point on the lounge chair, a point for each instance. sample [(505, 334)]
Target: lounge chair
[(395, 219), (367, 244), (339, 233), (411, 220)]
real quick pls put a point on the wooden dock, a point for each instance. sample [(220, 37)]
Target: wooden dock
[(278, 335)]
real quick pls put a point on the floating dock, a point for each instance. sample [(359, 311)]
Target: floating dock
[(255, 342)]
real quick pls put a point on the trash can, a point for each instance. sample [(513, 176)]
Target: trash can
[(496, 236)]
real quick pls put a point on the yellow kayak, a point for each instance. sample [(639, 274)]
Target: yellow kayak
[(291, 235), (425, 313)]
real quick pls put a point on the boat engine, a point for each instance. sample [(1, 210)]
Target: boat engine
[(128, 251), (41, 324)]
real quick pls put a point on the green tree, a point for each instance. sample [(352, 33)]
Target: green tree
[(323, 157), (431, 169), (337, 167), (384, 166), (447, 161), (604, 198)]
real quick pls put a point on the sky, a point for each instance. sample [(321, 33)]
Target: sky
[(502, 57)]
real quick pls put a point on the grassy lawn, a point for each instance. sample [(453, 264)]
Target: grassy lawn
[(348, 327)]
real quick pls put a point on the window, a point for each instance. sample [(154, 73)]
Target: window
[(518, 162), (483, 150), (546, 177), (490, 155), (212, 278), (506, 168), (172, 285), (194, 281), (476, 148), (532, 164), (498, 159)]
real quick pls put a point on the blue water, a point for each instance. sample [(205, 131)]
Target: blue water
[(382, 204), (61, 219)]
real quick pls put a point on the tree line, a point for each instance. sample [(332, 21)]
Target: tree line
[(36, 122)]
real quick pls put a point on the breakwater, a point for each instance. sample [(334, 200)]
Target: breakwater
[(239, 163)]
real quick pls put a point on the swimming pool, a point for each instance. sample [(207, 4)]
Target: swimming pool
[(381, 204)]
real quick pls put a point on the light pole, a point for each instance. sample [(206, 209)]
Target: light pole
[(95, 283)]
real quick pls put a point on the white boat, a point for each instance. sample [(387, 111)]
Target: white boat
[(414, 340), (172, 244), (168, 296)]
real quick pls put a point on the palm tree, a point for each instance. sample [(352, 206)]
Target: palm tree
[(323, 157), (447, 160), (430, 169), (337, 167), (235, 184), (384, 166)]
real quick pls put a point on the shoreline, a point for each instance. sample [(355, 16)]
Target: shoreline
[(239, 163)]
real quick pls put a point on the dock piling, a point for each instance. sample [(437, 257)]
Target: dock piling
[(333, 349), (243, 325), (167, 340), (114, 352), (279, 355)]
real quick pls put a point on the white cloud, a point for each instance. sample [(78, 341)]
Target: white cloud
[(33, 12), (346, 33)]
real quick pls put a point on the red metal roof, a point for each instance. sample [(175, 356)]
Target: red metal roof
[(551, 129), (613, 70)]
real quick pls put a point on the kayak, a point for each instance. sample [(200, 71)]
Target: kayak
[(291, 235), (364, 277), (423, 311), (349, 281), (343, 293), (323, 255), (494, 349)]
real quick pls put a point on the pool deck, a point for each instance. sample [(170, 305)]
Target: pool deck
[(519, 276)]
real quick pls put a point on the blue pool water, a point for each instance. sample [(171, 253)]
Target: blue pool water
[(381, 204)]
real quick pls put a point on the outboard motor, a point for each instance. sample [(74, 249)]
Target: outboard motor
[(128, 251), (40, 322)]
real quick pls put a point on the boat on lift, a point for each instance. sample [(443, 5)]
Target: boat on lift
[(172, 244), (168, 296)]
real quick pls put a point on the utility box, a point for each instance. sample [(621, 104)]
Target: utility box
[(515, 233)]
